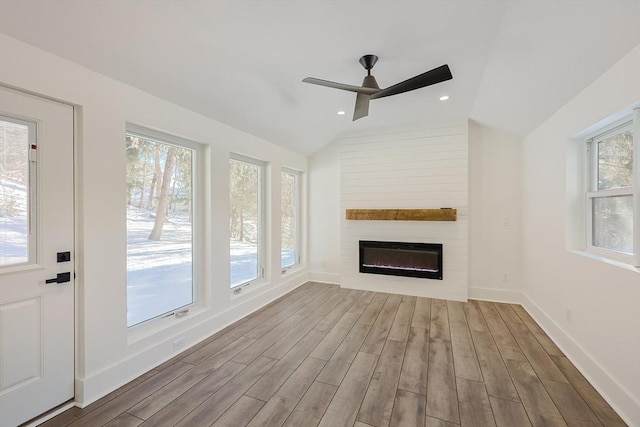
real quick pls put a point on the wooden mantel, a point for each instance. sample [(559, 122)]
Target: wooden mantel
[(443, 214)]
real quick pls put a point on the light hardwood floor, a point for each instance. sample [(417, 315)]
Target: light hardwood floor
[(334, 357)]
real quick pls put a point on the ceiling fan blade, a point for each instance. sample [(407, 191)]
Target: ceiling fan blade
[(351, 88), (362, 106), (437, 75)]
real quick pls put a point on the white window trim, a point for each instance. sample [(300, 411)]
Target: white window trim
[(197, 230), (298, 227), (262, 273), (629, 122)]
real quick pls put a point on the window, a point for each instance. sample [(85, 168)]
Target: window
[(245, 177), (612, 224), (160, 225), (289, 222), (17, 192)]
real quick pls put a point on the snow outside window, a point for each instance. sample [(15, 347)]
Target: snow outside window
[(290, 201), (17, 192), (245, 222), (160, 220)]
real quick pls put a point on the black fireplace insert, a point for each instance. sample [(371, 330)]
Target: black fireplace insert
[(423, 260)]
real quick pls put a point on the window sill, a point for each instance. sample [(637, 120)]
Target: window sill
[(606, 260)]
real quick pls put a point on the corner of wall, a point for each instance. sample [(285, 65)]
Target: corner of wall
[(331, 278), (324, 214), (495, 257)]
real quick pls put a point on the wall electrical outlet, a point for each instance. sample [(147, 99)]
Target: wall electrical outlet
[(568, 314), (505, 277), (179, 344)]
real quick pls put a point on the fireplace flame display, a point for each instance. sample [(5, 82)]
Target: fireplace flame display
[(423, 260)]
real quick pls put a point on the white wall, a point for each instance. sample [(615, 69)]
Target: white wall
[(108, 355), (603, 336), (324, 214), (495, 213), (409, 169)]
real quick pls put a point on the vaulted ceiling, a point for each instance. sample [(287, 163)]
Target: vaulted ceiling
[(241, 62)]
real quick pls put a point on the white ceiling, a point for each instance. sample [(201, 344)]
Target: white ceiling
[(241, 62)]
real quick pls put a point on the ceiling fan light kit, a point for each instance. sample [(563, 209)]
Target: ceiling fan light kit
[(370, 90)]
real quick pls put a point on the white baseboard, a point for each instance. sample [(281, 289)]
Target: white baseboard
[(331, 278), (448, 293), (495, 295), (620, 399), (99, 384)]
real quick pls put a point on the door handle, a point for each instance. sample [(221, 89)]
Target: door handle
[(60, 278)]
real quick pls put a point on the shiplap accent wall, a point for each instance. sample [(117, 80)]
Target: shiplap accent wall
[(427, 168)]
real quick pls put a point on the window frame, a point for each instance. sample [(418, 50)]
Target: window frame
[(261, 221), (629, 122), (298, 210), (197, 220)]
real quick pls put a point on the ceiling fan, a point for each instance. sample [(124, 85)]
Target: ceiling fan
[(370, 89)]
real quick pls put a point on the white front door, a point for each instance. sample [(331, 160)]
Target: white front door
[(36, 256)]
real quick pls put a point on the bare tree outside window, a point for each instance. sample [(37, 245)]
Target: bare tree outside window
[(613, 223), (159, 228), (14, 193), (615, 161), (289, 218), (244, 192), (611, 198)]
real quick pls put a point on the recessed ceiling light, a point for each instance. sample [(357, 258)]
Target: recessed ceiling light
[(341, 113), (444, 98)]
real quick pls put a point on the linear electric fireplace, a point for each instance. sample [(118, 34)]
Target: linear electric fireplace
[(422, 260)]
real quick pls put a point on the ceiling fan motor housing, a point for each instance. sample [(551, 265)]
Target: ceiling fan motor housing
[(370, 81), (368, 61)]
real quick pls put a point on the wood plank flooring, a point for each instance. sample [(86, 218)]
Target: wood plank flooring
[(325, 356)]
